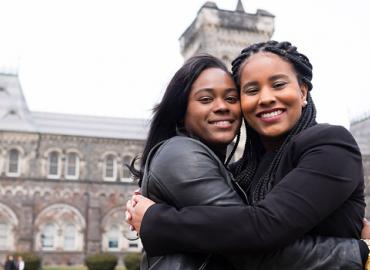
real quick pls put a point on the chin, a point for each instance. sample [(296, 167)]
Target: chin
[(223, 141)]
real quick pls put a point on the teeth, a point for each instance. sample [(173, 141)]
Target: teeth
[(222, 123), (271, 114)]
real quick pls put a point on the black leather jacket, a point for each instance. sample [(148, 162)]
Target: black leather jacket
[(182, 171)]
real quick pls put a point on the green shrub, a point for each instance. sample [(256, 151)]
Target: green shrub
[(132, 261), (31, 260), (102, 261)]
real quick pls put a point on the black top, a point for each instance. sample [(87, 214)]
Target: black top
[(318, 190)]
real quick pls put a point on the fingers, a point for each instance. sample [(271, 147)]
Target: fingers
[(128, 216), (136, 198), (365, 233), (129, 206)]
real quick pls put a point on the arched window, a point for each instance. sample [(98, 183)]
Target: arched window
[(110, 168), (70, 237), (53, 165), (113, 238), (125, 170), (4, 232), (59, 227), (8, 225), (72, 166), (48, 237), (13, 162)]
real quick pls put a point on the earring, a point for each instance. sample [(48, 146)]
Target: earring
[(304, 103)]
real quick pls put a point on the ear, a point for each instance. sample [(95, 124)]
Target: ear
[(304, 90)]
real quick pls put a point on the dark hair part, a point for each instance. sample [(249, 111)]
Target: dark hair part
[(169, 114), (246, 167)]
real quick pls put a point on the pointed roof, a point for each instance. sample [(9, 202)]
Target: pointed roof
[(15, 116), (14, 112), (239, 7)]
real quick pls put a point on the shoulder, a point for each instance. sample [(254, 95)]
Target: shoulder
[(174, 145), (320, 130), (181, 149), (325, 134)]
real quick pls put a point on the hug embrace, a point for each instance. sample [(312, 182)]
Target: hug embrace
[(295, 199)]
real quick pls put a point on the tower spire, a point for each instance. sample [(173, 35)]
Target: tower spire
[(240, 7)]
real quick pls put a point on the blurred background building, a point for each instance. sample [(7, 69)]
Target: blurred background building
[(360, 129)]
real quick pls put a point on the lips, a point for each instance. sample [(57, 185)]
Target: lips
[(270, 114), (224, 123)]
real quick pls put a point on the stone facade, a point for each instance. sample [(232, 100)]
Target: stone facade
[(360, 129)]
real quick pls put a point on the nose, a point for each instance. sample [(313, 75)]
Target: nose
[(220, 105), (266, 97)]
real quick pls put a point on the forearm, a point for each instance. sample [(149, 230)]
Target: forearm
[(166, 230)]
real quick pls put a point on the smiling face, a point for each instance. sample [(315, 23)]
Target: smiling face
[(213, 111), (271, 97)]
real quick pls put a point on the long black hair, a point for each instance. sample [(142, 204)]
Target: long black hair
[(169, 114), (246, 167)]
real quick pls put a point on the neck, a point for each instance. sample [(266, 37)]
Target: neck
[(272, 143)]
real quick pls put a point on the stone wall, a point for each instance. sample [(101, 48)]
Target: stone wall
[(30, 201)]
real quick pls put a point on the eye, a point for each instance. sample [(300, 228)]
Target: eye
[(250, 91), (205, 99), (279, 84), (232, 99)]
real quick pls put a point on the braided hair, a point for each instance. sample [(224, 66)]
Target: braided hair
[(246, 167)]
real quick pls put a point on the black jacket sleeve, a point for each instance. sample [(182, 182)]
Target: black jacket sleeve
[(325, 176)]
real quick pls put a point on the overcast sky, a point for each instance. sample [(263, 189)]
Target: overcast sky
[(115, 57)]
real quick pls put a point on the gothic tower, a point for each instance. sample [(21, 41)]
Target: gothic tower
[(223, 33)]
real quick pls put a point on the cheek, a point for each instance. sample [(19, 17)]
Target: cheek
[(236, 109), (189, 119), (245, 105)]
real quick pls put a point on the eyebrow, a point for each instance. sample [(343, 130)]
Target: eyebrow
[(278, 76), (210, 90), (270, 79)]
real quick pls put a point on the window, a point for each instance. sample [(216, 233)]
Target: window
[(113, 238), (110, 168), (72, 168), (13, 164), (4, 232), (125, 170), (47, 237), (70, 237), (53, 168), (133, 245)]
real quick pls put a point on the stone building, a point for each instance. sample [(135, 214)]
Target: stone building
[(360, 129), (62, 183)]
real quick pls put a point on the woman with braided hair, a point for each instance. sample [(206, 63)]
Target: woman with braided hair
[(300, 178)]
